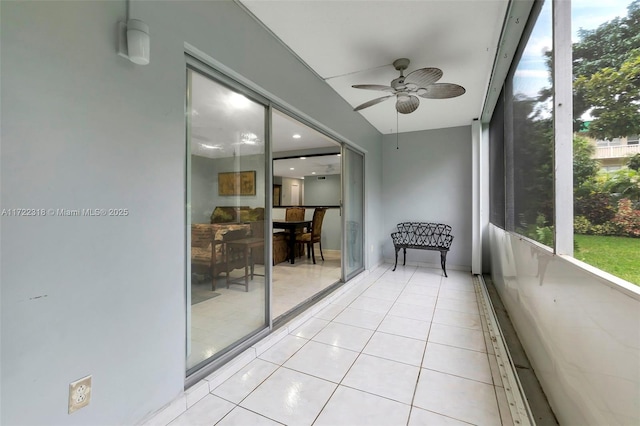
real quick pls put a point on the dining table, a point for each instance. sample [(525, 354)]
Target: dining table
[(292, 226)]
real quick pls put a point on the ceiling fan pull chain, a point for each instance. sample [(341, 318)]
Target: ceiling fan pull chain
[(397, 130)]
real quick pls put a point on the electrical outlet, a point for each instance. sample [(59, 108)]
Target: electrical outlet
[(79, 394)]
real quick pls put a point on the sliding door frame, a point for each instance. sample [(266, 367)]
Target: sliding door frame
[(207, 65), (345, 207), (198, 372)]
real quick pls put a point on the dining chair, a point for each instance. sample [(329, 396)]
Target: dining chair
[(310, 238), (235, 256), (295, 213)]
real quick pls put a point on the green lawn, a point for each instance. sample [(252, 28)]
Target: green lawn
[(619, 256)]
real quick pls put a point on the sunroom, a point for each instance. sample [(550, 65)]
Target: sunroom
[(137, 154)]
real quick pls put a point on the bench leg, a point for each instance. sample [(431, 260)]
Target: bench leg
[(404, 260), (397, 250), (443, 262)]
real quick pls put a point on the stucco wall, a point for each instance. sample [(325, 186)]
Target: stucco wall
[(580, 331), (428, 179)]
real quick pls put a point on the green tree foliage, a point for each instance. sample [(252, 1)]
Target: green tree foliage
[(634, 162), (585, 168), (614, 95), (609, 45), (592, 202), (533, 163), (597, 207), (605, 67), (623, 183)]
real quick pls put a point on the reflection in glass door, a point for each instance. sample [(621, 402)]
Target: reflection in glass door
[(353, 191), (226, 290), (308, 180)]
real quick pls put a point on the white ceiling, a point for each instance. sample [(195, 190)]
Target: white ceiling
[(355, 42), (299, 167)]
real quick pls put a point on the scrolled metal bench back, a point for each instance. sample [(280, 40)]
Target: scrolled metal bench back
[(423, 234)]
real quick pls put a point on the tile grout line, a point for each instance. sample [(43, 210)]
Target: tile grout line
[(238, 404), (374, 332), (232, 368), (424, 353), (296, 323), (354, 361), (361, 353), (289, 332)]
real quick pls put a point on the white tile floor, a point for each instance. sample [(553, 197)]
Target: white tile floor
[(221, 321), (396, 348)]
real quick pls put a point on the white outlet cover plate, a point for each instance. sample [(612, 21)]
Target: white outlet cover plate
[(79, 394)]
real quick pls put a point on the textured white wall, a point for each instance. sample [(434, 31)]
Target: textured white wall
[(286, 192), (428, 179), (325, 192), (85, 128), (580, 332)]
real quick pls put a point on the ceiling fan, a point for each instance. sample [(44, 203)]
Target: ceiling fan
[(421, 82)]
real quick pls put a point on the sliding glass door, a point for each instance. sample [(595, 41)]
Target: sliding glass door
[(353, 190), (225, 209), (241, 273)]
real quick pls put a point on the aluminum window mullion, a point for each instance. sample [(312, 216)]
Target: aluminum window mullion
[(268, 182), (563, 127), (476, 235)]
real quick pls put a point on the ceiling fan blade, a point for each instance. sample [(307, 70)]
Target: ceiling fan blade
[(424, 77), (372, 102), (407, 104), (441, 91), (374, 87)]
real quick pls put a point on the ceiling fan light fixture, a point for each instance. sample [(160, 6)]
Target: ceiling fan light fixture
[(406, 104)]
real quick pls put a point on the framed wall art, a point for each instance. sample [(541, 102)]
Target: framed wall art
[(237, 183)]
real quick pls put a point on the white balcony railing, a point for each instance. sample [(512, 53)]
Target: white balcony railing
[(619, 151)]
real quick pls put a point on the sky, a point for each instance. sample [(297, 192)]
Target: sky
[(589, 14), (532, 73)]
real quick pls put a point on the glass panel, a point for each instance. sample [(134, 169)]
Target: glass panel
[(353, 209), (225, 214), (606, 163), (532, 109), (307, 178)]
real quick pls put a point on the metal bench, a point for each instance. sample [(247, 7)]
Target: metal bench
[(422, 236)]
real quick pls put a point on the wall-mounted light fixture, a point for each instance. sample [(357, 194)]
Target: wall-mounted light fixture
[(133, 41)]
